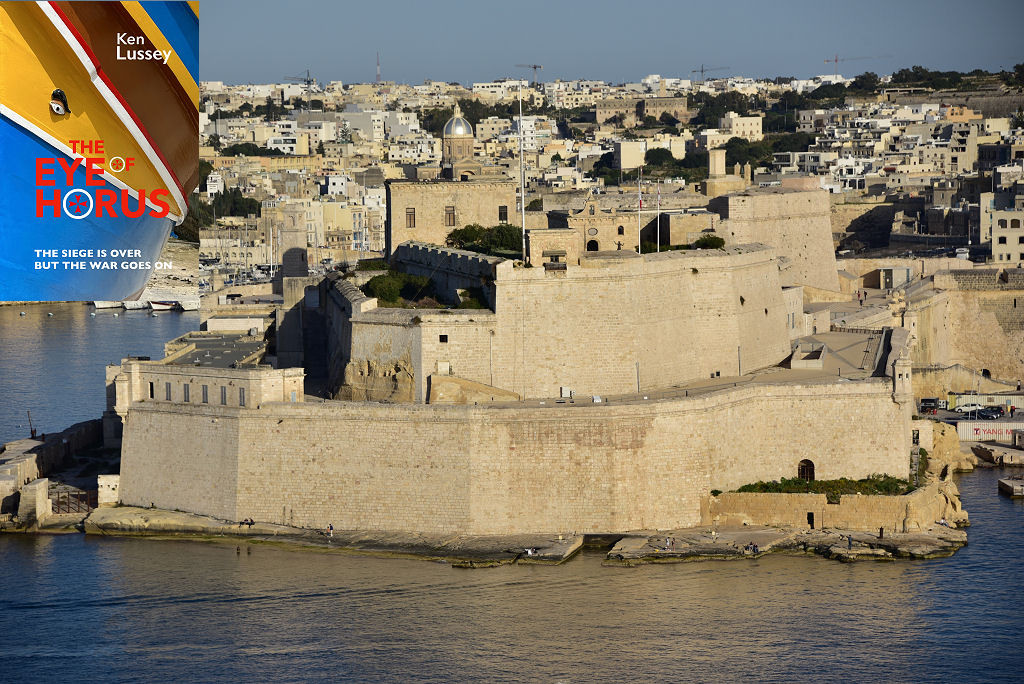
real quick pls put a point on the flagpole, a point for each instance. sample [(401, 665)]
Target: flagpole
[(639, 208), (659, 215)]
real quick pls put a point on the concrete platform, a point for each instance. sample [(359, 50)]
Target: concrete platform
[(755, 541), (1012, 487)]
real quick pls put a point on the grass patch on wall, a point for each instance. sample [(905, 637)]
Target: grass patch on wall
[(884, 485)]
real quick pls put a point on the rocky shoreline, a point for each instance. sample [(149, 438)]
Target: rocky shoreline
[(465, 551)]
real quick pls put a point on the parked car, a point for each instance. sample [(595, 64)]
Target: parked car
[(988, 414), (999, 410), (968, 408)]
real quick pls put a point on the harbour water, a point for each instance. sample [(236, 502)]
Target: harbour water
[(147, 610), (54, 366), (144, 610)]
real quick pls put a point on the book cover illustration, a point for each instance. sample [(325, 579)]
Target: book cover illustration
[(99, 138)]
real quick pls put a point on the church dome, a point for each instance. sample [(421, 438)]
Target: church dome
[(457, 125)]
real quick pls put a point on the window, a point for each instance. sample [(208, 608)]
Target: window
[(186, 391), (1015, 223), (443, 339), (1002, 239), (223, 395), (152, 394), (1020, 239), (410, 218), (805, 470), (167, 391), (622, 231), (1002, 223), (206, 394), (502, 214), (449, 216), (241, 396)]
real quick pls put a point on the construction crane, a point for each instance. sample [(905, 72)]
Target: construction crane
[(704, 69), (308, 80), (837, 59), (535, 67)]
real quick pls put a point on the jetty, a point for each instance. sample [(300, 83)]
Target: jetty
[(1012, 487)]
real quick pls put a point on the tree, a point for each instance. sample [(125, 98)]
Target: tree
[(555, 158), (668, 119), (1014, 78), (1017, 120), (709, 242), (215, 142), (867, 82), (320, 148), (832, 91), (233, 203), (271, 109), (250, 150), (659, 156), (536, 204), (460, 238), (205, 169)]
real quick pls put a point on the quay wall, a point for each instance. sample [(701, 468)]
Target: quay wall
[(506, 468)]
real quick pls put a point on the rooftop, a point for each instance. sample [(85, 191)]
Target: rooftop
[(220, 351)]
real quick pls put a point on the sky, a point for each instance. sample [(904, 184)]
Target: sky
[(261, 41)]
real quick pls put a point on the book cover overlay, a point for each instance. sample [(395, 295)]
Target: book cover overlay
[(99, 144)]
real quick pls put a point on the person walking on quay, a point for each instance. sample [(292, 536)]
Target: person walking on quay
[(330, 529)]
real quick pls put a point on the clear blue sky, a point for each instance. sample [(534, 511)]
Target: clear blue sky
[(263, 41)]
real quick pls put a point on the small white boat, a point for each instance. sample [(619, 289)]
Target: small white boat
[(107, 305), (162, 305), (189, 304), (136, 305)]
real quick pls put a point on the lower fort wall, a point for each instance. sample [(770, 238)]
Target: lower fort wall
[(866, 513), (503, 469)]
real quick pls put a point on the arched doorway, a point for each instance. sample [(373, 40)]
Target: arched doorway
[(805, 470), (591, 245)]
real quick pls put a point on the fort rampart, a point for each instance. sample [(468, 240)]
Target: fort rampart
[(615, 324), (504, 469)]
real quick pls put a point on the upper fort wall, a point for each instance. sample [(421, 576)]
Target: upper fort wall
[(796, 224), (617, 323)]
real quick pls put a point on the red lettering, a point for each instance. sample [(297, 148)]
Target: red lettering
[(105, 199), (93, 168), (41, 202), (69, 171), (165, 208), (126, 202), (42, 172)]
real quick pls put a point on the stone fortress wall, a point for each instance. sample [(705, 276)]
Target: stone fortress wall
[(975, 317), (504, 469), (617, 323), (796, 223)]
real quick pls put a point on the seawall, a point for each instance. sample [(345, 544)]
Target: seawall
[(503, 469)]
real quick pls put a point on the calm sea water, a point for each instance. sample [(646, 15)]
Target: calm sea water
[(54, 366), (76, 607), (144, 610)]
